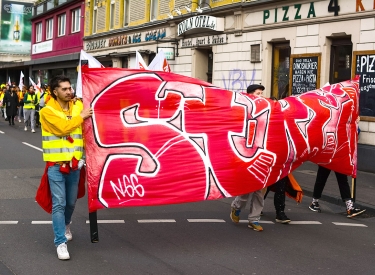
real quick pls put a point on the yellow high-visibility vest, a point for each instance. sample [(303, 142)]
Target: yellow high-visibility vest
[(30, 105), (59, 148)]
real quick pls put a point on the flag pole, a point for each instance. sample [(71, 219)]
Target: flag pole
[(354, 185)]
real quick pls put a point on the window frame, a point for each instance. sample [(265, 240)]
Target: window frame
[(112, 7), (154, 9), (75, 20), (38, 32), (61, 27), (126, 13), (95, 20), (49, 28)]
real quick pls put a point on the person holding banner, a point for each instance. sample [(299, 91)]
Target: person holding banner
[(61, 123), (257, 197)]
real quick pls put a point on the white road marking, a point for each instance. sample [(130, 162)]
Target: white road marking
[(205, 220), (246, 221), (349, 224), (305, 222), (41, 222), (8, 222), (155, 221), (108, 221), (1, 132), (307, 172), (32, 146)]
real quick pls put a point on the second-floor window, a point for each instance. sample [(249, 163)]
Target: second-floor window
[(112, 15), (61, 23), (76, 20), (95, 19), (49, 28), (126, 13), (154, 9), (38, 28)]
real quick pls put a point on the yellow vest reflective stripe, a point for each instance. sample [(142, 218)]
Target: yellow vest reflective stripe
[(29, 105), (59, 148)]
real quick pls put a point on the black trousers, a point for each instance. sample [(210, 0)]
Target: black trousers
[(321, 179), (279, 197)]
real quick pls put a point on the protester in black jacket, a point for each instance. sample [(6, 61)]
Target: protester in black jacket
[(11, 104)]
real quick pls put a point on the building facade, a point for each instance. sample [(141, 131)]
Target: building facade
[(57, 39), (288, 46), (15, 38)]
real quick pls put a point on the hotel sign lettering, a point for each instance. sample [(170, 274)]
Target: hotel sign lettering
[(200, 22)]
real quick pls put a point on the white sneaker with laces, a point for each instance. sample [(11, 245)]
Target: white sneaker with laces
[(62, 252), (68, 233), (25, 128)]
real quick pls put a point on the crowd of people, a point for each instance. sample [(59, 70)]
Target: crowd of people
[(23, 104)]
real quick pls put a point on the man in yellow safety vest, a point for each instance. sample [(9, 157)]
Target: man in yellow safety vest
[(62, 144)]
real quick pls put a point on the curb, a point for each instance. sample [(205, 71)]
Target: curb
[(370, 209)]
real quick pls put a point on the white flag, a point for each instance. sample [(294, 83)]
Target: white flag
[(9, 83), (139, 62), (36, 88), (92, 63), (20, 85), (160, 63), (39, 84)]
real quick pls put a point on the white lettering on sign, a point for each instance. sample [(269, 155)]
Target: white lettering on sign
[(201, 22), (203, 41)]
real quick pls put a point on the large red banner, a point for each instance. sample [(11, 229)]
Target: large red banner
[(161, 138)]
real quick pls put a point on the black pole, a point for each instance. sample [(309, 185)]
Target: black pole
[(354, 185), (93, 227)]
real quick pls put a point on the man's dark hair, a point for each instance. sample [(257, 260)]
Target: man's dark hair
[(55, 82)]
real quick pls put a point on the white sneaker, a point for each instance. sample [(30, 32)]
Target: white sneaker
[(19, 120), (25, 128), (68, 233), (62, 252), (32, 131)]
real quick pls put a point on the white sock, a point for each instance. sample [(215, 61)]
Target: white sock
[(349, 204), (315, 200)]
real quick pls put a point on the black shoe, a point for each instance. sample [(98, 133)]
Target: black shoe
[(314, 206), (12, 122), (354, 212), (282, 218)]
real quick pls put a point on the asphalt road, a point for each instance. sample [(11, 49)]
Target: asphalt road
[(195, 238)]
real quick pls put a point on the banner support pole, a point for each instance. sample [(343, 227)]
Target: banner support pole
[(93, 227), (354, 185)]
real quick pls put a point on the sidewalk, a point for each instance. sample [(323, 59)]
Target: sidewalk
[(365, 187)]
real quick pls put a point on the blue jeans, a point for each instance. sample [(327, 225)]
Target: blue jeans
[(64, 190)]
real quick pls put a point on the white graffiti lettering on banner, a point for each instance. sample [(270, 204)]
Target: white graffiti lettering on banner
[(128, 187)]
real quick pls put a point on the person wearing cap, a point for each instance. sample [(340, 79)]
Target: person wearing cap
[(11, 104), (256, 198)]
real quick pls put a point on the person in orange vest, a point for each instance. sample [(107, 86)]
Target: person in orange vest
[(62, 142)]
